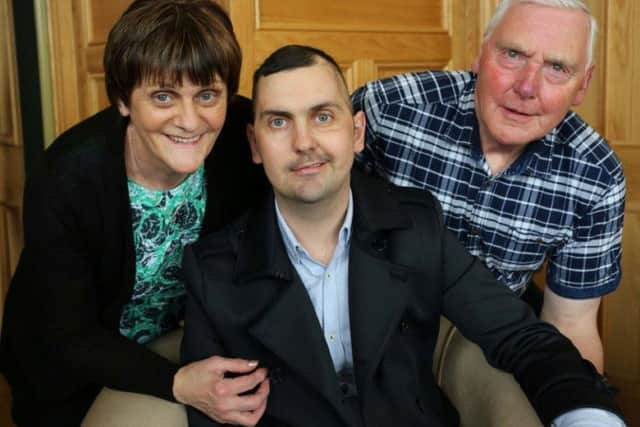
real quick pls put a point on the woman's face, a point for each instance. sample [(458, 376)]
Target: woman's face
[(172, 129)]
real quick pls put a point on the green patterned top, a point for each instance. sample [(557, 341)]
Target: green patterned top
[(164, 222)]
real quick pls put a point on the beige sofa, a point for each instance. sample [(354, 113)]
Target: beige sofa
[(484, 396)]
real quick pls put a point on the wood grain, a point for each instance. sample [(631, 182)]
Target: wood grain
[(11, 154)]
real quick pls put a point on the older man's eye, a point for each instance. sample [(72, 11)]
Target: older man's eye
[(557, 73), (512, 53)]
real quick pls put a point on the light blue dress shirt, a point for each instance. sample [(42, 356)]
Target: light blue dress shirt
[(327, 286), (328, 289)]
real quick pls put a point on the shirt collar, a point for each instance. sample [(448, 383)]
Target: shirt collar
[(293, 246)]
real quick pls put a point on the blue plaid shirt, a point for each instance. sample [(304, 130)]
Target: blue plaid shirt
[(561, 200)]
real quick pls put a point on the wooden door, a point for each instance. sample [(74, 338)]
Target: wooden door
[(620, 107), (11, 154), (368, 39), (78, 30)]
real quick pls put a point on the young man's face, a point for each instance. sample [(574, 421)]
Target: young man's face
[(305, 134), (172, 130), (530, 72)]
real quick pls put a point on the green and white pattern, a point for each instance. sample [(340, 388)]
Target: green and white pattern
[(164, 222)]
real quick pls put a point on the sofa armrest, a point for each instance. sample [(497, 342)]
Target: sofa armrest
[(483, 395), (114, 408)]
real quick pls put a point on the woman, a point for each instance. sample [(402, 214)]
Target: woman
[(115, 201)]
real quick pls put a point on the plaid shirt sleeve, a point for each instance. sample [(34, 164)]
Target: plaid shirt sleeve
[(588, 265)]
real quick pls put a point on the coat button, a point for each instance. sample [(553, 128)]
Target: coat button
[(379, 245), (276, 375)]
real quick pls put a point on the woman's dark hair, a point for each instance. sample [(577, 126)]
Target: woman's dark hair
[(164, 41)]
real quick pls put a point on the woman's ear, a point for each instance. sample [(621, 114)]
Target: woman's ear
[(123, 109)]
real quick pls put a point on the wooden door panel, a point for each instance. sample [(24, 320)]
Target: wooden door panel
[(11, 155), (416, 16), (621, 309), (368, 39), (100, 17)]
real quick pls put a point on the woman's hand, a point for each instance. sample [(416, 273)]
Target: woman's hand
[(204, 386)]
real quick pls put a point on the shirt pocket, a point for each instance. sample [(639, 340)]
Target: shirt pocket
[(526, 250)]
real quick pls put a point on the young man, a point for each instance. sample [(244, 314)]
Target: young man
[(336, 283), (521, 179)]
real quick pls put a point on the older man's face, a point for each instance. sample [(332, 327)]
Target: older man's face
[(530, 72)]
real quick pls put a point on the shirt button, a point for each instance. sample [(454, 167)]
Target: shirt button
[(332, 337), (487, 184), (474, 232)]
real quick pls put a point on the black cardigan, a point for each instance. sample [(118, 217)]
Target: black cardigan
[(60, 340)]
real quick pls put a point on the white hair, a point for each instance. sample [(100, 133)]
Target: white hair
[(504, 5)]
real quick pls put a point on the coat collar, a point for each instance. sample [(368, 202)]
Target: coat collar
[(261, 250), (288, 326)]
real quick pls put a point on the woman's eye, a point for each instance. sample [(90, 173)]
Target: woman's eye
[(512, 53), (208, 96), (162, 97)]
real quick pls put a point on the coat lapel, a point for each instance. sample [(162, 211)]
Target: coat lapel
[(378, 295), (378, 291), (288, 326), (378, 288), (290, 330)]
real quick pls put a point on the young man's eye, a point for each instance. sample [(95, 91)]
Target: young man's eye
[(324, 117), (278, 122)]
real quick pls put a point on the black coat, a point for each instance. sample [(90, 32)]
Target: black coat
[(405, 270), (60, 339)]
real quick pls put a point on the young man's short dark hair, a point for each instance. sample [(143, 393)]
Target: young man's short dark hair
[(291, 57)]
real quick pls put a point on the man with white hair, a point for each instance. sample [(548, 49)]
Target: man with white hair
[(521, 178)]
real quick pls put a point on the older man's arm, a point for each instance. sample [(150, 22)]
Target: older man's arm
[(576, 319)]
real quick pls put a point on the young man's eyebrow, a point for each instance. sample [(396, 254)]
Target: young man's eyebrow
[(275, 112), (324, 105)]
